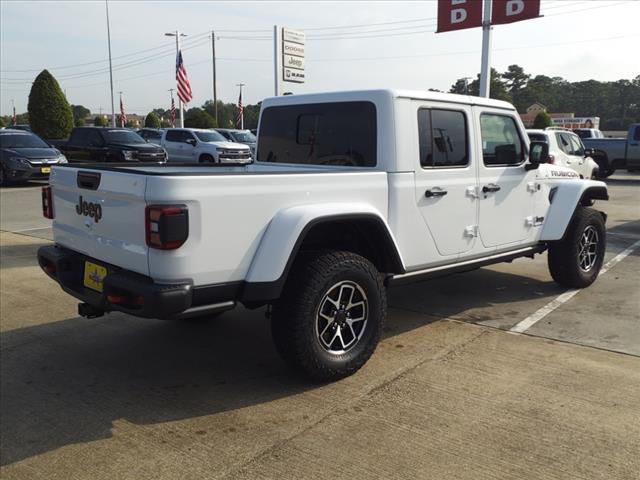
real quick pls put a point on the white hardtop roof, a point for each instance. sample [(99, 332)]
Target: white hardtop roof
[(347, 95)]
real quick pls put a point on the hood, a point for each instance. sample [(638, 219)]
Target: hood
[(32, 153), (228, 145), (140, 147)]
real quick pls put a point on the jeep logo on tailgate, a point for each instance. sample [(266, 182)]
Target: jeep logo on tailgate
[(93, 210)]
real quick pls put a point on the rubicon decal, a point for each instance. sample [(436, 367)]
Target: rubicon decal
[(88, 209), (563, 173)]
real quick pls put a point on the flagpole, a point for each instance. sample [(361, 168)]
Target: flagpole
[(173, 121), (485, 66), (113, 108), (177, 34)]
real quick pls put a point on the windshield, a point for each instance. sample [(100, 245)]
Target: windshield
[(540, 137), (209, 136), (21, 140), (123, 136), (244, 137)]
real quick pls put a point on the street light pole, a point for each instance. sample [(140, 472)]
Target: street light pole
[(113, 108), (177, 34), (215, 96)]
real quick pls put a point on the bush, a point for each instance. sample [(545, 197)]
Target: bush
[(2, 124), (79, 122), (152, 120), (197, 118), (100, 121), (50, 114), (542, 120)]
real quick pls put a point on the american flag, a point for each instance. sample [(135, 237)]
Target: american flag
[(14, 119), (172, 116), (123, 116), (184, 89), (239, 119)]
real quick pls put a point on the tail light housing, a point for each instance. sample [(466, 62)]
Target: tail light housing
[(47, 202), (167, 226)]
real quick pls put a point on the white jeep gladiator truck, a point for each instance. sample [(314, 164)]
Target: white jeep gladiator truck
[(350, 192)]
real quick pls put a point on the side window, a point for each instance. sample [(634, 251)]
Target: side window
[(94, 139), (564, 143), (443, 138), (636, 135), (576, 145), (79, 137), (173, 136), (341, 133), (186, 135), (501, 142)]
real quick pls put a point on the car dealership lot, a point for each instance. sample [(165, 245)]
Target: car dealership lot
[(449, 393)]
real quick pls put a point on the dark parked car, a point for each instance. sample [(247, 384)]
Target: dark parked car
[(24, 155), (103, 144), (239, 136)]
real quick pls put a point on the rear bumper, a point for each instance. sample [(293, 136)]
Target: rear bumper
[(129, 292)]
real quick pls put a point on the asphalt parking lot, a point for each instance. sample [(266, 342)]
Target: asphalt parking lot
[(496, 373)]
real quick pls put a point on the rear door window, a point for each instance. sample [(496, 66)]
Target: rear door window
[(341, 134), (173, 136), (443, 138)]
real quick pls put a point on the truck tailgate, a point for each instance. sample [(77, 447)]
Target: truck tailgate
[(101, 214)]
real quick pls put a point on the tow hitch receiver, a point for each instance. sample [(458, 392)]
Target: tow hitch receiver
[(89, 311)]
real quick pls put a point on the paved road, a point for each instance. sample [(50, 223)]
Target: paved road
[(450, 393)]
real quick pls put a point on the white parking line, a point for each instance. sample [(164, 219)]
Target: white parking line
[(27, 229), (538, 315)]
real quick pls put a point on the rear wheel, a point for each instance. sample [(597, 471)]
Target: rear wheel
[(576, 260), (330, 317)]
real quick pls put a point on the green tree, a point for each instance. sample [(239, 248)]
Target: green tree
[(542, 121), (2, 124), (49, 112), (78, 122), (100, 121), (152, 120), (79, 113), (198, 118), (461, 87)]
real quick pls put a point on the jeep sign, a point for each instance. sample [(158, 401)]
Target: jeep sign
[(292, 55)]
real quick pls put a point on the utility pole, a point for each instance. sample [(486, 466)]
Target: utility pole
[(215, 96), (485, 67), (240, 100), (177, 34), (113, 109)]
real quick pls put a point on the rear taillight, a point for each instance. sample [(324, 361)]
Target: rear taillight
[(167, 226), (47, 202), (552, 159)]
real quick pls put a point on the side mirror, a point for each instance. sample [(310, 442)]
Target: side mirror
[(538, 153), (191, 141), (589, 152)]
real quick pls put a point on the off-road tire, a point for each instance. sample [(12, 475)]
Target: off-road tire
[(295, 317), (564, 257)]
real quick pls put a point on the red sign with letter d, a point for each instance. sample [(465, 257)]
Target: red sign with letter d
[(459, 14), (509, 11)]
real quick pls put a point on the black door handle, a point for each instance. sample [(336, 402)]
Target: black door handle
[(435, 193), (492, 187)]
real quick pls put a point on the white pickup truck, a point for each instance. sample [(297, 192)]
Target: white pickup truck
[(197, 145), (350, 192)]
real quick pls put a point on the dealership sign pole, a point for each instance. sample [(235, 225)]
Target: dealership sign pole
[(462, 14)]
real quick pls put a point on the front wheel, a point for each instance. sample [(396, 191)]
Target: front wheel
[(329, 320), (576, 260)]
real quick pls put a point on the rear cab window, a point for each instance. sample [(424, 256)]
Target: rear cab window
[(341, 134)]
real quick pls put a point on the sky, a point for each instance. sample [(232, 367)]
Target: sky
[(349, 45)]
